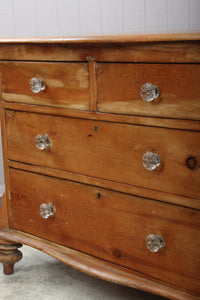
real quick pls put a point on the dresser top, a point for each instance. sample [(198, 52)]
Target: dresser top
[(107, 38)]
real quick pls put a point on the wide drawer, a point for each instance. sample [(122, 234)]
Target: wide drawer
[(63, 84), (119, 89), (110, 225), (108, 150)]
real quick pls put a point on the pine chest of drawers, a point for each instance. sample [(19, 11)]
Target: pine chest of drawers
[(101, 140)]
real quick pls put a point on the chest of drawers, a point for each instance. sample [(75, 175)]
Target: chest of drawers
[(101, 140)]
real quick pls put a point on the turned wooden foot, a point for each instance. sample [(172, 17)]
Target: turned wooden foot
[(9, 255)]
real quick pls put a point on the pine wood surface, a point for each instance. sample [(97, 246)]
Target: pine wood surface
[(9, 255), (154, 52), (124, 38), (108, 184), (92, 84), (4, 207), (119, 86), (3, 212), (66, 84), (120, 222), (97, 147), (107, 150), (97, 267), (108, 117)]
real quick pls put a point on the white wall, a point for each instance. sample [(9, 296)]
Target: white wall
[(28, 18), (74, 17)]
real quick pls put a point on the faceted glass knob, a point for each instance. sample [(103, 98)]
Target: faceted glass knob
[(154, 242), (37, 85), (46, 210), (149, 92), (151, 161), (42, 142)]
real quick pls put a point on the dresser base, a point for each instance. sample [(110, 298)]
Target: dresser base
[(9, 255), (85, 263)]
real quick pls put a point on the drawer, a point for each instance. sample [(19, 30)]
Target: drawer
[(108, 150), (110, 225), (119, 89), (63, 84)]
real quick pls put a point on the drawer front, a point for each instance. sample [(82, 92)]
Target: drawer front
[(119, 89), (63, 84), (108, 150), (109, 225)]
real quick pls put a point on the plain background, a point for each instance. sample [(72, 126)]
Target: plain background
[(32, 18)]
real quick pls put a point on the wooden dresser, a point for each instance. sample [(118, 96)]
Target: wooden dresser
[(101, 142)]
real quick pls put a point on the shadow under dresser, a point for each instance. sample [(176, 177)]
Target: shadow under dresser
[(101, 144)]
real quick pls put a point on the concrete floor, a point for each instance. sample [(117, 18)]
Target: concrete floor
[(39, 276)]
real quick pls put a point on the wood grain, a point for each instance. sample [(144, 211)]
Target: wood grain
[(97, 267), (167, 52), (92, 82), (107, 150), (67, 84), (4, 208), (117, 118), (3, 212), (119, 87), (108, 184), (124, 38), (100, 208), (110, 225), (9, 255)]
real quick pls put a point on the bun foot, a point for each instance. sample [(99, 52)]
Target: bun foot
[(9, 255)]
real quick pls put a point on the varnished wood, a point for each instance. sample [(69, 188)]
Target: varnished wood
[(121, 223), (117, 118), (92, 82), (4, 207), (119, 87), (99, 156), (107, 38), (154, 52), (98, 268), (116, 186), (67, 84), (9, 255), (107, 150), (3, 212)]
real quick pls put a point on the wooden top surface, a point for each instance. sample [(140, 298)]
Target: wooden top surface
[(130, 38)]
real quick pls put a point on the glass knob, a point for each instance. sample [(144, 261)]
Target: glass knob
[(42, 142), (37, 85), (149, 92), (46, 210), (154, 242), (151, 161)]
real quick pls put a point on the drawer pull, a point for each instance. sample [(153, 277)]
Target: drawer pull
[(154, 242), (151, 161), (149, 92), (42, 142), (46, 210), (37, 85)]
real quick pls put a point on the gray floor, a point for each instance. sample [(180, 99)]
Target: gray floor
[(39, 276)]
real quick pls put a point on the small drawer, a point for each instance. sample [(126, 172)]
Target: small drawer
[(155, 158), (116, 227), (51, 84), (156, 90)]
